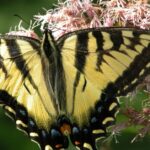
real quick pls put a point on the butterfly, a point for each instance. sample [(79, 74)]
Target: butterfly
[(65, 90)]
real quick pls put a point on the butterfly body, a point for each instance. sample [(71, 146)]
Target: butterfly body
[(56, 90)]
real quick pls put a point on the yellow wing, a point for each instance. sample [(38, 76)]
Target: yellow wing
[(24, 91), (68, 87), (98, 62)]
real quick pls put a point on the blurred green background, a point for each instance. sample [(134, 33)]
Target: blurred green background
[(12, 139)]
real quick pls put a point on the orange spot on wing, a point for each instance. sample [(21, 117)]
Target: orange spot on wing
[(59, 146), (65, 129), (77, 143)]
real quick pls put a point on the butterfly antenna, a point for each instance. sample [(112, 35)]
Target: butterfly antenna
[(16, 15)]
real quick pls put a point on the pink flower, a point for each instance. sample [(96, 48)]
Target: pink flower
[(72, 15), (21, 31), (76, 14)]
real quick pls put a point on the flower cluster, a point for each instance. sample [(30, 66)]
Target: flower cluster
[(72, 15), (21, 31)]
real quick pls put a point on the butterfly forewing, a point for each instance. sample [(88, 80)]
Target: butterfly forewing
[(95, 60), (22, 83)]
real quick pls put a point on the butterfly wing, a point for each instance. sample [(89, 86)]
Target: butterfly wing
[(24, 92), (79, 77), (98, 62)]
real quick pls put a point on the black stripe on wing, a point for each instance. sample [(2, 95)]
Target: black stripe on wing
[(17, 57), (2, 66), (80, 60), (131, 77), (81, 51), (99, 40), (14, 51), (117, 39), (23, 121)]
